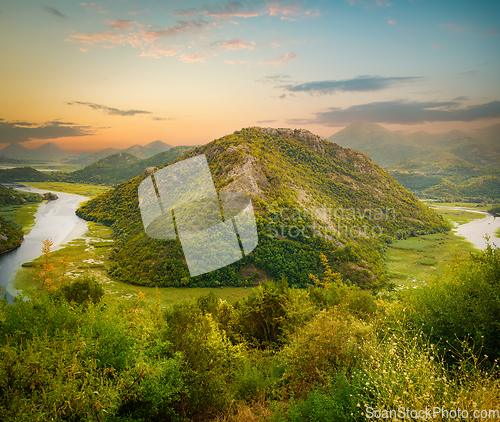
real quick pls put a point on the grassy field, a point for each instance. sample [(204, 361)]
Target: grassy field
[(90, 256), (472, 206), (21, 215), (417, 260), (75, 188), (458, 216)]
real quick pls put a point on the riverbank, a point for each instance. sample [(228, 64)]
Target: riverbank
[(89, 256)]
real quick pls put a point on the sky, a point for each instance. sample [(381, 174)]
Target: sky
[(114, 73)]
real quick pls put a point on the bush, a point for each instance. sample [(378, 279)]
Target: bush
[(463, 306), (83, 290), (329, 344)]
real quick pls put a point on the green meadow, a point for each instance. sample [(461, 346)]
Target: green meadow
[(411, 262), (21, 215), (89, 256), (75, 188)]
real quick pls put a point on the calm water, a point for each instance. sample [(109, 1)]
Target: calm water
[(55, 220)]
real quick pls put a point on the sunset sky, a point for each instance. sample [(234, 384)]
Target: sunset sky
[(115, 73)]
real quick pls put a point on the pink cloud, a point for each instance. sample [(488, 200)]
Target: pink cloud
[(122, 24), (193, 58), (237, 45), (279, 61), (234, 62), (391, 22), (94, 7)]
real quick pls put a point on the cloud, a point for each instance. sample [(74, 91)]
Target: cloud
[(279, 61), (109, 110), (149, 42), (391, 22), (122, 24), (94, 7), (265, 122), (404, 112), (492, 32), (470, 73), (233, 62), (16, 132), (461, 98), (194, 58), (248, 9), (138, 12), (54, 12), (162, 118), (370, 3), (455, 27), (233, 45), (276, 78), (360, 83)]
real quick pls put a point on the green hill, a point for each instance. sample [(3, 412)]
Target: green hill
[(24, 174), (108, 171), (293, 177), (9, 196), (436, 165), (10, 235)]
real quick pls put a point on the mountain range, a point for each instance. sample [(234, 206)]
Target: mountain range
[(50, 150), (451, 165)]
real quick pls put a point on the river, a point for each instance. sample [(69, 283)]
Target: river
[(475, 231), (54, 220)]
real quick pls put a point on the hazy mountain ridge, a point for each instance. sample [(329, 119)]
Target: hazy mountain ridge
[(108, 171), (285, 169), (52, 150), (422, 160)]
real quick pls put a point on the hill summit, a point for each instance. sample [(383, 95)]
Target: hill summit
[(310, 197)]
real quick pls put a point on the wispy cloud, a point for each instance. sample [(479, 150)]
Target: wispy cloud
[(360, 83), (109, 110), (265, 122), (455, 27), (391, 22), (122, 24), (370, 3), (279, 61), (16, 132), (404, 112), (149, 42), (235, 62), (470, 73), (194, 58), (54, 12), (94, 7), (249, 9), (233, 45), (274, 79), (492, 32)]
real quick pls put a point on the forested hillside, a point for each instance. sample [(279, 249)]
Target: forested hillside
[(294, 178), (456, 165), (10, 235)]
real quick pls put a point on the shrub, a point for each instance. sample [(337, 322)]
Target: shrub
[(83, 290)]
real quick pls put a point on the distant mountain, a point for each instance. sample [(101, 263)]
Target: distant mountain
[(148, 150), (138, 151), (16, 151), (283, 170), (45, 151), (51, 150), (86, 159), (460, 159), (108, 171)]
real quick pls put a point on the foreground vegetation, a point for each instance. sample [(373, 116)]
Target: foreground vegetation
[(325, 353)]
